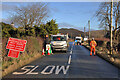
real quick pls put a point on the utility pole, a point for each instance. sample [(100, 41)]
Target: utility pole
[(111, 17), (84, 32), (71, 35), (89, 28)]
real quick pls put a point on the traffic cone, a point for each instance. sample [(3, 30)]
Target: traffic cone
[(48, 51), (43, 52)]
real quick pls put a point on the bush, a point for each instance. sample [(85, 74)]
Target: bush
[(119, 47), (34, 45)]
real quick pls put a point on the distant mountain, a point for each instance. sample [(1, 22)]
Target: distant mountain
[(74, 32), (71, 32), (68, 25)]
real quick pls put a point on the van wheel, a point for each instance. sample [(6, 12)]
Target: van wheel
[(65, 51)]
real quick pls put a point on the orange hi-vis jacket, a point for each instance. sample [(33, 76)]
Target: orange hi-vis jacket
[(93, 44)]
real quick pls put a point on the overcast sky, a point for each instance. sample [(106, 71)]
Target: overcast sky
[(67, 14)]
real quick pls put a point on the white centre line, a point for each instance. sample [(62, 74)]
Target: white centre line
[(69, 61), (70, 52)]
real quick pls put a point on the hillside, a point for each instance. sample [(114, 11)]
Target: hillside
[(74, 32), (71, 32), (97, 33)]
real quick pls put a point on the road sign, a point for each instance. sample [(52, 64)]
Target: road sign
[(47, 46), (15, 46), (13, 54)]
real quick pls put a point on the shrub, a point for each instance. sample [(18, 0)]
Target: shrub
[(34, 45)]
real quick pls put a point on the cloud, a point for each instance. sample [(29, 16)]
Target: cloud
[(65, 25)]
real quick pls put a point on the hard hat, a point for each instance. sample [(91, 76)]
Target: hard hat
[(92, 38), (46, 35)]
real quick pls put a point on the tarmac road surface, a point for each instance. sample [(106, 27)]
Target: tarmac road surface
[(76, 63)]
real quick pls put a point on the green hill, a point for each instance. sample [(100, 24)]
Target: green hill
[(71, 32)]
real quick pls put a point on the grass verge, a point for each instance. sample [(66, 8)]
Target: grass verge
[(21, 63), (32, 52)]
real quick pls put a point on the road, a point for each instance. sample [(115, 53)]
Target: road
[(76, 63)]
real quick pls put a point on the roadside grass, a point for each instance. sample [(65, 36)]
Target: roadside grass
[(33, 51)]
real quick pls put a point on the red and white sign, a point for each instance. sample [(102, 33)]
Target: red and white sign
[(16, 46), (13, 53)]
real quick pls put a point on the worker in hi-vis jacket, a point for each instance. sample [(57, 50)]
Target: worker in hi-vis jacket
[(93, 44)]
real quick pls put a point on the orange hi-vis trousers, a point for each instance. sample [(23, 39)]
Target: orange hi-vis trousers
[(92, 48)]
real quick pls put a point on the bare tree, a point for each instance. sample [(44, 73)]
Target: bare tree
[(116, 18), (30, 15), (103, 15)]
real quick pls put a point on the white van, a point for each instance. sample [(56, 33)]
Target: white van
[(59, 42), (78, 40)]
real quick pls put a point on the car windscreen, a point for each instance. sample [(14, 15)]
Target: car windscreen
[(58, 38), (77, 39)]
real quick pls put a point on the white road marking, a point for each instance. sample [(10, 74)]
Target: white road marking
[(61, 68), (24, 68), (58, 68), (31, 72), (53, 67), (70, 52), (69, 61)]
